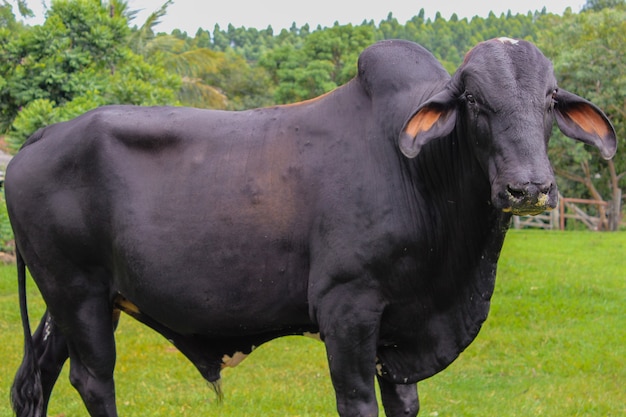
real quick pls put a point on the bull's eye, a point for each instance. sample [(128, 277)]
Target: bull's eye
[(470, 98), (553, 98)]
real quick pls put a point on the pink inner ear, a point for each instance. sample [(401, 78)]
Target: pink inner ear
[(422, 121), (588, 120)]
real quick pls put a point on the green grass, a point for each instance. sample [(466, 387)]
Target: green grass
[(554, 345)]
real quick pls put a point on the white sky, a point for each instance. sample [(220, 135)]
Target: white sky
[(189, 15)]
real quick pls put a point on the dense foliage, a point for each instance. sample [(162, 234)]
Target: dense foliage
[(91, 52), (77, 60), (592, 64)]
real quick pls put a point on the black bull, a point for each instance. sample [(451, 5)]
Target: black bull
[(373, 215)]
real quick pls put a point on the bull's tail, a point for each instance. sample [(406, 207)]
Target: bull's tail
[(26, 394)]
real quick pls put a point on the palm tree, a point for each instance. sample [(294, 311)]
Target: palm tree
[(191, 64), (188, 62)]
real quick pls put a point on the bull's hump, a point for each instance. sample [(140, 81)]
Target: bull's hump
[(507, 40)]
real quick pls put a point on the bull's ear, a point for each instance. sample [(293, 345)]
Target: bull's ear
[(579, 119), (435, 119)]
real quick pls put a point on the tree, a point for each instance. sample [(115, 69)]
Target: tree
[(244, 85), (190, 64), (597, 5), (77, 60), (182, 58), (22, 7), (142, 35), (592, 64), (326, 60), (7, 18)]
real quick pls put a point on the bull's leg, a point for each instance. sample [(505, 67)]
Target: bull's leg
[(88, 327), (349, 326), (51, 353), (92, 358), (399, 400)]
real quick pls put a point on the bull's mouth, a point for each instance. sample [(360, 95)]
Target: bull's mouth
[(526, 211), (526, 204)]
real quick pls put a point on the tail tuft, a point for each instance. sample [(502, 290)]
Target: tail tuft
[(26, 392)]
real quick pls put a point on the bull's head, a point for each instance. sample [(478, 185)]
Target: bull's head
[(504, 99)]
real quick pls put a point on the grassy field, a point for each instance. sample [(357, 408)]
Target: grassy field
[(554, 345)]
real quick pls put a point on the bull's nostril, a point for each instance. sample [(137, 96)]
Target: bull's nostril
[(517, 193), (544, 188), (529, 190)]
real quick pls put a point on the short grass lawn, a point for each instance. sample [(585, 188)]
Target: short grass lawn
[(554, 345)]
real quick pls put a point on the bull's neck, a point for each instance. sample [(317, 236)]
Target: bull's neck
[(452, 185)]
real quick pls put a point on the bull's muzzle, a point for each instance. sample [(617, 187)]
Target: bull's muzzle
[(529, 199)]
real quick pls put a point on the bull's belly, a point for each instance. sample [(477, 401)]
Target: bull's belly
[(226, 318), (229, 303), (214, 277)]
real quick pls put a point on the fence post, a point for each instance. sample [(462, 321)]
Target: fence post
[(615, 210), (555, 219), (561, 213)]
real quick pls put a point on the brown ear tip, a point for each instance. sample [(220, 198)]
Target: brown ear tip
[(408, 145), (609, 153)]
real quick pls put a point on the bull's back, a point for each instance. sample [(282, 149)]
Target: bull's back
[(207, 172)]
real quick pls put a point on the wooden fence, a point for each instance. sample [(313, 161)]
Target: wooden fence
[(569, 209)]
